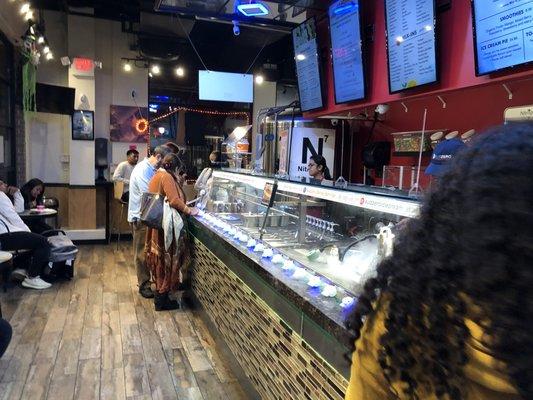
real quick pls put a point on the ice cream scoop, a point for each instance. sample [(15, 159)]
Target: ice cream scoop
[(329, 291), (278, 259), (267, 253), (314, 281), (347, 301), (288, 264)]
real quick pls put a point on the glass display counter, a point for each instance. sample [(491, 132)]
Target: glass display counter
[(329, 238), (279, 264)]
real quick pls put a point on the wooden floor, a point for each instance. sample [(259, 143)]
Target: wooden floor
[(96, 337)]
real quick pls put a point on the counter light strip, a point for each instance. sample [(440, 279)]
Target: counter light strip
[(362, 200)]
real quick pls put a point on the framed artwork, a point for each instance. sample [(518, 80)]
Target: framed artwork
[(83, 125), (128, 124)]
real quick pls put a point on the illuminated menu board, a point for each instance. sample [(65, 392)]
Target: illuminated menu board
[(346, 48), (307, 65), (411, 44), (503, 34)]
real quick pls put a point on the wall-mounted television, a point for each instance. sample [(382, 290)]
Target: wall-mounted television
[(305, 45), (346, 50), (411, 44), (503, 34), (226, 86)]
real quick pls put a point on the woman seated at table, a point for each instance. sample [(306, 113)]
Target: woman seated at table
[(33, 194), (167, 250), (15, 235)]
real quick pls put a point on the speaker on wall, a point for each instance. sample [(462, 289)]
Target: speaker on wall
[(100, 157)]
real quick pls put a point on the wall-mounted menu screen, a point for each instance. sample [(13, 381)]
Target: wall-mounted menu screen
[(346, 49), (307, 65), (411, 43), (503, 34)]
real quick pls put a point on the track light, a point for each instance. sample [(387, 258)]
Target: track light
[(156, 70), (29, 16), (46, 49), (180, 72), (25, 8), (127, 67), (259, 79), (150, 75), (40, 40), (49, 56)]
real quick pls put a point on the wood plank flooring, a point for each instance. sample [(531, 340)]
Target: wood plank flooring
[(95, 337)]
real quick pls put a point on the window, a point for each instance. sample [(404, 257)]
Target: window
[(7, 112)]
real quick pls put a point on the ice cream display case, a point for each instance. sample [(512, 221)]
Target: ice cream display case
[(304, 248)]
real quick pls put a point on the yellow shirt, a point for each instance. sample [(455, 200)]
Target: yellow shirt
[(484, 379)]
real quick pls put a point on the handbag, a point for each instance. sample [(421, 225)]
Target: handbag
[(152, 209)]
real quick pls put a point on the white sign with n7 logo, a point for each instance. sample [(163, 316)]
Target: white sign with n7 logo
[(307, 142)]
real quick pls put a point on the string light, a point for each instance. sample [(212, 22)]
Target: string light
[(205, 112)]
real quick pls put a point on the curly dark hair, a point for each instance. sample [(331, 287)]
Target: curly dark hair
[(472, 246)]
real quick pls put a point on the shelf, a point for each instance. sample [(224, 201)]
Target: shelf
[(411, 153)]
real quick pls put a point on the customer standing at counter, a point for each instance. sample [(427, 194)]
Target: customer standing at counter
[(449, 314), (167, 249), (139, 180), (318, 169), (124, 170)]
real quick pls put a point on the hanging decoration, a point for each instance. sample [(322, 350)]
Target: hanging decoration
[(29, 83), (241, 114), (141, 126)]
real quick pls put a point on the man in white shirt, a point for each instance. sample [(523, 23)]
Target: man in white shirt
[(124, 170), (15, 235), (139, 180)]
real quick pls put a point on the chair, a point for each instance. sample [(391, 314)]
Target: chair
[(117, 195), (5, 268)]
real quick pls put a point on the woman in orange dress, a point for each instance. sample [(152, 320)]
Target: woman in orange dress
[(169, 266)]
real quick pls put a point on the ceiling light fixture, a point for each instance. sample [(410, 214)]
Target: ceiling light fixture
[(180, 72), (127, 67), (46, 49), (253, 9), (259, 79), (49, 56), (25, 8), (156, 70), (150, 75), (40, 40), (29, 16), (300, 57)]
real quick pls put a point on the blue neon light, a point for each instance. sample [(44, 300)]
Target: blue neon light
[(344, 8), (253, 9)]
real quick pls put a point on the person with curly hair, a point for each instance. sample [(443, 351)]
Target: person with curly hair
[(450, 314)]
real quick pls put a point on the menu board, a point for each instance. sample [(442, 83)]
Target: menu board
[(503, 34), (307, 65), (345, 31), (411, 44)]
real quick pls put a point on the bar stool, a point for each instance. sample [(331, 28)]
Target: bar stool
[(117, 195)]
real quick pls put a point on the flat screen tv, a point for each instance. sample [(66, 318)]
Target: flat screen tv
[(226, 86), (305, 45), (346, 50), (503, 34), (54, 99), (411, 44)]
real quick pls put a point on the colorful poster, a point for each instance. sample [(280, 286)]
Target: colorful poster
[(128, 124)]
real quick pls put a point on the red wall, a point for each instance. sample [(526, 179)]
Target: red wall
[(472, 102)]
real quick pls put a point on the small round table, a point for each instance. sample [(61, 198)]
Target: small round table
[(35, 214)]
